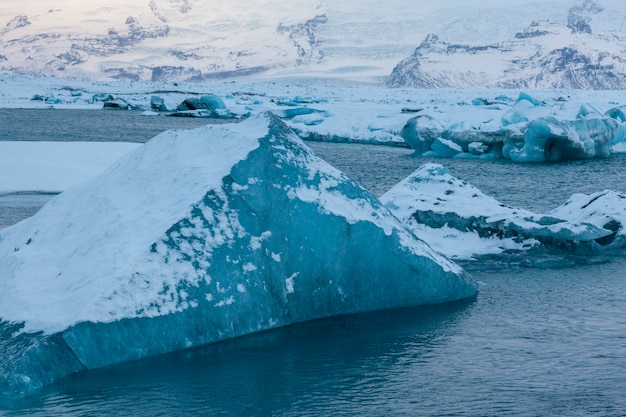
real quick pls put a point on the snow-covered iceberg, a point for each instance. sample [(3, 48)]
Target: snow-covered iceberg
[(605, 209), (462, 222), (196, 237)]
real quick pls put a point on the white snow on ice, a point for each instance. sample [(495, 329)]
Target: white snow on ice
[(169, 194)]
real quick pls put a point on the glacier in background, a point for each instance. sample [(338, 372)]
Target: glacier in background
[(192, 41), (547, 54)]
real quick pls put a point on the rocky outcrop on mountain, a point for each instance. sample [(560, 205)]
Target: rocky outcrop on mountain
[(303, 37)]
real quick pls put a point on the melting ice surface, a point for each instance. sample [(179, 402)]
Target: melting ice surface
[(200, 236), (462, 222)]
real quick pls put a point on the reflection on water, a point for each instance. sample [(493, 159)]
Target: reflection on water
[(325, 365), (87, 125)]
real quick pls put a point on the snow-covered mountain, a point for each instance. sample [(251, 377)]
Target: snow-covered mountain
[(177, 40), (190, 40), (544, 55)]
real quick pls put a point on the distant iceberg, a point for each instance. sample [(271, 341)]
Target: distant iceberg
[(549, 140), (196, 237), (462, 222), (527, 132)]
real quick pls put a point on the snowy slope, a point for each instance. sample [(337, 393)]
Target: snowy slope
[(178, 40), (173, 39)]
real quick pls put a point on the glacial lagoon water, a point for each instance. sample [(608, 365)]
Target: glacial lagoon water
[(537, 341)]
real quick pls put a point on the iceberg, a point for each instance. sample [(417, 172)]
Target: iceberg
[(549, 140), (527, 132), (420, 132), (618, 143), (617, 113), (525, 109), (605, 209), (462, 222), (445, 148), (209, 106), (157, 104), (196, 237)]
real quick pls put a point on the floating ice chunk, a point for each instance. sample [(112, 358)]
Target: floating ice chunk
[(116, 103), (209, 106), (157, 104), (312, 119), (152, 255), (201, 103), (299, 100), (525, 96), (523, 111), (431, 201), (420, 132), (617, 113), (606, 209), (477, 148), (491, 139), (588, 111), (445, 148), (213, 101), (618, 143), (481, 101), (549, 139), (297, 111)]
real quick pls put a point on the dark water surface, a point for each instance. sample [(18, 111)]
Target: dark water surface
[(535, 342), (87, 125)]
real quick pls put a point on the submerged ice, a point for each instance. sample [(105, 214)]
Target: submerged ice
[(196, 237)]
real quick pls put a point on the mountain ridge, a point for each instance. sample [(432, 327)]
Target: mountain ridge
[(190, 40), (545, 55), (170, 39)]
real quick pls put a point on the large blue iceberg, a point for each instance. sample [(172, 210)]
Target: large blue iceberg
[(196, 237)]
